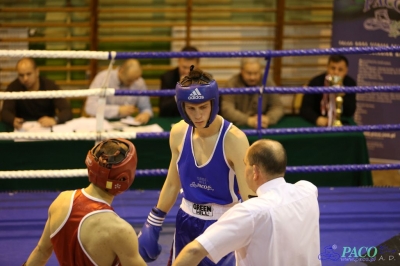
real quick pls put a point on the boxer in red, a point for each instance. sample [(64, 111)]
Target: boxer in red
[(82, 227)]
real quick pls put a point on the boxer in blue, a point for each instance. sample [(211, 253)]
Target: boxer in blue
[(207, 163)]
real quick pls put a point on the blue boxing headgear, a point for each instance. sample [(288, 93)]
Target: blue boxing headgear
[(198, 87)]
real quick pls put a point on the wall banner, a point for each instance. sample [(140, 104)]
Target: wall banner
[(373, 23)]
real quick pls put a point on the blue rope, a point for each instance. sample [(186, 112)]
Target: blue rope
[(299, 169), (298, 130), (281, 90), (265, 53)]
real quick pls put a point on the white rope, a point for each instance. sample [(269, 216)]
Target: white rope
[(55, 54), (55, 94), (113, 54), (43, 173), (66, 135)]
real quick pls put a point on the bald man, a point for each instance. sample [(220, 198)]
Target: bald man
[(279, 227), (241, 109), (47, 112), (127, 77)]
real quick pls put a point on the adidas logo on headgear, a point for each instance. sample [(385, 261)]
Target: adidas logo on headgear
[(195, 95)]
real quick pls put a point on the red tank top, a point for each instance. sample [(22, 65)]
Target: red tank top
[(66, 241)]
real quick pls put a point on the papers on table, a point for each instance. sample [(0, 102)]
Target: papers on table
[(32, 126), (82, 124), (88, 124), (130, 121)]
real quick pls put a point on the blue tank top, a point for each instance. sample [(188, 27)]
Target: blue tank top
[(213, 182)]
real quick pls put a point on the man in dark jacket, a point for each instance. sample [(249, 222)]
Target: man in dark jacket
[(313, 108), (169, 79), (15, 112)]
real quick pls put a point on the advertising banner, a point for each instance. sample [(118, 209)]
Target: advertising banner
[(373, 23)]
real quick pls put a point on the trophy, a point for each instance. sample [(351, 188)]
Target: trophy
[(335, 102), (339, 108)]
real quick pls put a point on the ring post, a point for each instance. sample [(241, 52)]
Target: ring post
[(260, 96)]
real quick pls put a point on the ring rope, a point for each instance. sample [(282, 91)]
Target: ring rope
[(54, 94), (164, 135), (318, 130), (263, 53), (125, 55), (280, 90), (66, 135), (266, 54), (164, 172), (253, 90), (56, 54)]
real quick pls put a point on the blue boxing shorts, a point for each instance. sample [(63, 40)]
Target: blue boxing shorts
[(188, 227)]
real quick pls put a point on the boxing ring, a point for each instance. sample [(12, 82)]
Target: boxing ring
[(357, 216)]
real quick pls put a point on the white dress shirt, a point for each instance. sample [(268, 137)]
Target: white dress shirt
[(279, 227), (114, 102)]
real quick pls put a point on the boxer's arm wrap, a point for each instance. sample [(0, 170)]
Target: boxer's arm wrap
[(149, 248), (156, 217)]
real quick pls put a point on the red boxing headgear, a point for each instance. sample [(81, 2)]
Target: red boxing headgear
[(113, 172)]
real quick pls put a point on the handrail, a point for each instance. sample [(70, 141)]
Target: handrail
[(61, 82), (302, 65), (171, 2), (43, 24), (183, 9), (52, 68), (194, 23), (308, 37), (140, 24), (73, 82), (140, 39), (236, 24), (233, 9), (165, 39), (309, 8), (43, 9), (297, 80), (301, 23), (46, 39), (169, 67), (131, 10)]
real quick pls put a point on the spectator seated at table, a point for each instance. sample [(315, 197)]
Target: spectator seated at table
[(315, 107), (47, 112), (241, 109), (126, 77)]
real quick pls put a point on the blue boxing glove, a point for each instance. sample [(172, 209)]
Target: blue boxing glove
[(148, 237)]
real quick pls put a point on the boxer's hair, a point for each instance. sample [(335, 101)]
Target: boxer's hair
[(196, 76), (338, 58), (110, 148), (269, 155)]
